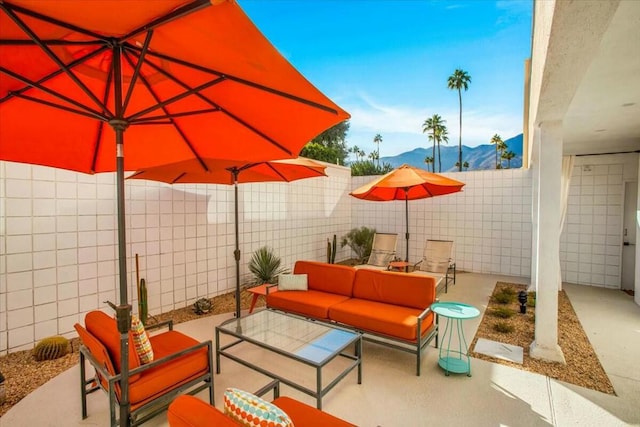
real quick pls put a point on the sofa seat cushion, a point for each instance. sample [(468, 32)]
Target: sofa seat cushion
[(304, 415), (392, 320), (172, 374), (308, 303), (332, 278)]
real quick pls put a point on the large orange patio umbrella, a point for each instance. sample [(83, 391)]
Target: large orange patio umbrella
[(232, 172), (407, 183), (183, 79)]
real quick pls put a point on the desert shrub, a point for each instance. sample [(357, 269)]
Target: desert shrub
[(503, 312), (504, 327), (504, 298), (508, 290), (531, 300)]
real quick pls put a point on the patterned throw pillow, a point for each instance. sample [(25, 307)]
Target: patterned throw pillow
[(251, 411), (292, 282), (141, 340)]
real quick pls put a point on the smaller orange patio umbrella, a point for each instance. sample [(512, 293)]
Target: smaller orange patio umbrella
[(407, 183), (232, 172)]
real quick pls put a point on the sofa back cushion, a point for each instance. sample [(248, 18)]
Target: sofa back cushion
[(332, 278), (104, 328), (402, 289)]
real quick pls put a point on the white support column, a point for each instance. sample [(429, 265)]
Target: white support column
[(549, 150)]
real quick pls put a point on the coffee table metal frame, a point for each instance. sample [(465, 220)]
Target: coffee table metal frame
[(323, 343)]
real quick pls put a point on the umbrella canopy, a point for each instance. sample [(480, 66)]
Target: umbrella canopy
[(407, 183), (233, 172), (222, 171), (186, 79)]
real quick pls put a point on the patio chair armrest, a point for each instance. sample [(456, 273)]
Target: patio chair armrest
[(101, 370), (165, 323), (273, 385), (424, 313), (194, 348)]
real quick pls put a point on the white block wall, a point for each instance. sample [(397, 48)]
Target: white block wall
[(58, 241), (591, 241), (489, 221)]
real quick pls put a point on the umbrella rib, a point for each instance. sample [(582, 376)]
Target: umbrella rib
[(24, 27), (55, 73), (167, 117), (245, 82), (41, 17), (175, 125), (60, 107), (174, 99), (52, 93), (48, 42), (136, 72), (175, 14), (207, 100), (256, 131), (101, 124)]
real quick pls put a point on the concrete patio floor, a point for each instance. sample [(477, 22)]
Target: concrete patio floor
[(392, 395)]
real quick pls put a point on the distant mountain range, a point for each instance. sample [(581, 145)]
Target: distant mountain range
[(480, 157)]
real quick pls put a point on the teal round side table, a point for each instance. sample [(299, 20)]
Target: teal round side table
[(452, 360)]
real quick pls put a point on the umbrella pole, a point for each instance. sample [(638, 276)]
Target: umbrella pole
[(236, 252), (123, 310), (406, 212)]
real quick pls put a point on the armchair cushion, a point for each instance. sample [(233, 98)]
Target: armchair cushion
[(250, 410), (141, 341)]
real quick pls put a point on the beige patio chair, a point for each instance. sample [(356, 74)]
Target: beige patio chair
[(383, 251), (437, 262)]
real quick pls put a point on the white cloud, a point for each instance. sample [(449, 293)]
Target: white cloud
[(401, 125)]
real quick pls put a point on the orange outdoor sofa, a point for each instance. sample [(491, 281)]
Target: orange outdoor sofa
[(180, 365), (383, 305), (189, 411)]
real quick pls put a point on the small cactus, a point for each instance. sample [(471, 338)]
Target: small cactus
[(51, 348), (202, 306)]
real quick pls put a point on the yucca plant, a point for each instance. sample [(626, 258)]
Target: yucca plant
[(265, 266), (360, 240)]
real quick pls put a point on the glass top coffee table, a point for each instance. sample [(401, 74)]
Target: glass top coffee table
[(307, 342)]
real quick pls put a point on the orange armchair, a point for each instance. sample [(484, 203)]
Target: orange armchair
[(180, 365)]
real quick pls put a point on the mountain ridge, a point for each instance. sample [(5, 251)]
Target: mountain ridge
[(482, 157)]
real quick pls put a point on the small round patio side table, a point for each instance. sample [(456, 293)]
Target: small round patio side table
[(452, 360)]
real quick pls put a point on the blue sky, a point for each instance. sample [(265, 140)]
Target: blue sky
[(387, 63)]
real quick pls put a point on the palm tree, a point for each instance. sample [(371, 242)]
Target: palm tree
[(361, 153), (459, 80), (433, 124), (429, 161), (502, 147), (356, 151), (465, 165), (508, 155), (441, 136), (497, 140), (377, 140)]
